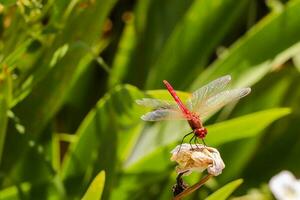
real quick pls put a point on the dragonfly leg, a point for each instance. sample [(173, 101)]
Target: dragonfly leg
[(196, 141), (191, 141), (203, 142), (183, 140)]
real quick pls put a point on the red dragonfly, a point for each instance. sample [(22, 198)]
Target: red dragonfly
[(203, 103)]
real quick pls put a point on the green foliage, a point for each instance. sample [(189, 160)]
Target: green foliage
[(5, 100), (251, 53), (95, 189), (225, 191), (70, 72)]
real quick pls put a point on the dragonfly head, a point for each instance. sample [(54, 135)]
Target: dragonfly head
[(201, 132)]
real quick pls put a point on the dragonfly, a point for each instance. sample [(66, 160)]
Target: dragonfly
[(202, 103)]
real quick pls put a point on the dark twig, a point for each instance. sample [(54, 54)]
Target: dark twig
[(180, 186), (192, 188)]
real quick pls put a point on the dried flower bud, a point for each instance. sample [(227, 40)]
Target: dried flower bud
[(285, 186), (197, 158)]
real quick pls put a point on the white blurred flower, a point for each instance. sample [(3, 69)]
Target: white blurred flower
[(285, 186), (197, 158)]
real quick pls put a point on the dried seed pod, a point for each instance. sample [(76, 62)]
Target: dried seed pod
[(197, 157)]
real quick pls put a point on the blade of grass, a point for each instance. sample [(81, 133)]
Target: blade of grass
[(110, 132), (153, 23), (5, 100), (258, 47), (51, 83), (125, 50), (243, 127), (192, 42), (94, 191), (51, 95), (224, 192)]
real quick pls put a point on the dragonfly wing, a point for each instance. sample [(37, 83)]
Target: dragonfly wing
[(164, 114), (213, 104), (208, 91), (163, 110), (156, 103)]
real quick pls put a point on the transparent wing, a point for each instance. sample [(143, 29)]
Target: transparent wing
[(204, 93), (163, 110), (164, 114), (213, 104), (156, 103)]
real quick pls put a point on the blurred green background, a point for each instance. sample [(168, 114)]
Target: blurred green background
[(71, 71)]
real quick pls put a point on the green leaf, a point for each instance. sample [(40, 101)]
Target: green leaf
[(165, 94), (14, 192), (151, 31), (5, 100), (282, 135), (189, 47), (78, 36), (250, 58), (11, 59), (109, 131), (123, 59), (94, 191), (46, 87), (224, 192), (8, 2), (270, 92), (243, 127), (29, 190), (132, 186)]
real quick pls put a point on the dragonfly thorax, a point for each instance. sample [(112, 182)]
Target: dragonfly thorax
[(195, 121), (200, 132)]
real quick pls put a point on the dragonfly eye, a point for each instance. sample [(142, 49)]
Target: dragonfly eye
[(201, 132)]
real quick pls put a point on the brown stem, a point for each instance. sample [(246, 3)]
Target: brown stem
[(192, 188)]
